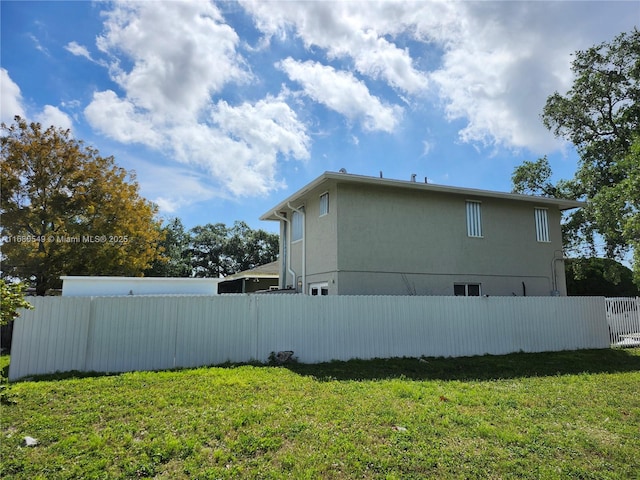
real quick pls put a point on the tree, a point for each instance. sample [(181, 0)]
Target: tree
[(600, 277), (11, 300), (67, 210), (599, 115), (174, 259), (217, 250), (629, 189), (249, 248), (208, 258)]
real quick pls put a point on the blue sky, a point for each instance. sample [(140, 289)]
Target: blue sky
[(225, 108)]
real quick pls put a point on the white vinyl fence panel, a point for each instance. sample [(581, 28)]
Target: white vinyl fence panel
[(117, 334)]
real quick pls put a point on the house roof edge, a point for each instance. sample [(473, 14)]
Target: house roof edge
[(562, 204)]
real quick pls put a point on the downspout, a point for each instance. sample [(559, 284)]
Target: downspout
[(304, 246), (555, 291), (287, 253)]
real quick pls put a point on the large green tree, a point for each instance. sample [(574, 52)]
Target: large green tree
[(174, 259), (218, 250), (600, 115), (66, 210)]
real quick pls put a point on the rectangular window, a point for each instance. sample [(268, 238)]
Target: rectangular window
[(324, 203), (474, 219), (542, 225), (466, 289), (297, 220), (319, 289)]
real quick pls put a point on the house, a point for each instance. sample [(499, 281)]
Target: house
[(100, 286), (345, 234), (261, 278)]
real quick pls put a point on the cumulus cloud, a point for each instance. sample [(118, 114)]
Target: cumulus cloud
[(10, 98), (51, 115), (11, 105), (120, 119), (342, 92), (171, 59), (182, 52), (490, 64), (353, 30)]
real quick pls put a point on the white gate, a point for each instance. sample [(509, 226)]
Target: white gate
[(623, 317)]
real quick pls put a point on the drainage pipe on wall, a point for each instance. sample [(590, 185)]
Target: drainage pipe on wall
[(554, 271), (304, 246), (287, 248)]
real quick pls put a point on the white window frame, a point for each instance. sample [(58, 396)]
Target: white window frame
[(474, 218), (297, 227), (541, 217), (466, 289), (321, 288), (324, 204)]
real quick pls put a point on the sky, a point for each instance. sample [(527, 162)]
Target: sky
[(223, 109)]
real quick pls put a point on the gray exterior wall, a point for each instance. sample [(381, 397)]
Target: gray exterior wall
[(320, 242), (398, 241)]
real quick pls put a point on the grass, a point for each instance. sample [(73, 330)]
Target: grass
[(552, 415)]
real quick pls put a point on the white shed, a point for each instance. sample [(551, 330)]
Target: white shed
[(87, 286)]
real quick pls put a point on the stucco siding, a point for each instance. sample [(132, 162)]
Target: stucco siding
[(319, 242), (385, 233)]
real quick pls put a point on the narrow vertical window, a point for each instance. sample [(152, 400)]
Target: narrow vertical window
[(324, 203), (296, 225), (474, 219), (542, 225)]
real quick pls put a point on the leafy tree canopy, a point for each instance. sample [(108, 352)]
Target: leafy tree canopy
[(600, 277), (217, 250), (212, 250), (600, 115), (66, 210), (174, 259), (11, 300)]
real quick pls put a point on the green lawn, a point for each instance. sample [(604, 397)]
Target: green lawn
[(553, 415)]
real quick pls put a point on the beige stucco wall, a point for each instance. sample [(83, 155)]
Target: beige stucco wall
[(320, 242), (396, 241), (385, 240)]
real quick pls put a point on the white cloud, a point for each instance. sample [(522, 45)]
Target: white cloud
[(492, 64), (51, 115), (10, 98), (342, 92), (182, 52), (121, 120), (179, 55), (11, 105), (354, 30), (172, 188), (78, 50)]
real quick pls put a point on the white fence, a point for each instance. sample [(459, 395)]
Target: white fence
[(116, 334), (623, 317)]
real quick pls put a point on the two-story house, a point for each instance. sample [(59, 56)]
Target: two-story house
[(357, 235)]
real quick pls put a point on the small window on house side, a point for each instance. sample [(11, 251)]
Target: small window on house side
[(542, 225), (324, 203), (319, 289), (296, 225), (474, 219), (466, 289)]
